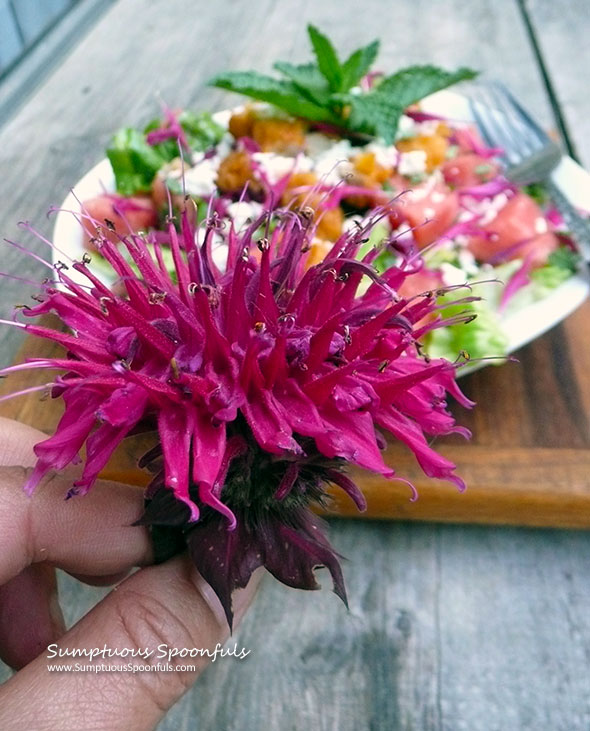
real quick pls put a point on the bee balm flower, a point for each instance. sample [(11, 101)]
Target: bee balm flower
[(263, 379)]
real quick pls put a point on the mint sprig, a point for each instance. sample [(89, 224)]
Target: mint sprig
[(327, 90)]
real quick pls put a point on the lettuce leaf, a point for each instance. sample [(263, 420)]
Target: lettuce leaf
[(134, 162), (480, 338)]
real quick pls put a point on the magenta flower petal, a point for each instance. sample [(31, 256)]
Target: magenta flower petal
[(72, 431), (100, 445), (351, 435), (209, 446), (175, 427), (270, 429), (408, 432)]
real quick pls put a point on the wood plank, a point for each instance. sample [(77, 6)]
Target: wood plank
[(45, 54)]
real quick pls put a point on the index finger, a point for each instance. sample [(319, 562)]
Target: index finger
[(92, 534)]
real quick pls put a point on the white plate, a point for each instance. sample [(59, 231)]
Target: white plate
[(520, 327)]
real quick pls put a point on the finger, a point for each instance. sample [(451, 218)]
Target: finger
[(167, 605), (91, 534), (30, 615), (17, 442)]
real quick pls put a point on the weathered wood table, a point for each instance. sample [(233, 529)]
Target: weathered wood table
[(450, 627)]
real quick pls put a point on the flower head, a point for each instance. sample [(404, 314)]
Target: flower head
[(264, 379)]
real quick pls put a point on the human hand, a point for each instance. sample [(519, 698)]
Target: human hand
[(91, 538)]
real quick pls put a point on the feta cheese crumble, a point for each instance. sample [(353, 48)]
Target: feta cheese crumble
[(412, 163)]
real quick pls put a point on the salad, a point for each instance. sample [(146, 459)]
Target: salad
[(342, 143)]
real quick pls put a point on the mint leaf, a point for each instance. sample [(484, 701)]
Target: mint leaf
[(328, 62), (134, 162), (283, 94), (414, 83), (374, 113), (308, 79), (358, 64), (378, 112)]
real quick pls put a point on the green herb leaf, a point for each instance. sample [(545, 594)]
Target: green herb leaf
[(410, 85), (358, 64), (565, 258), (328, 62), (483, 337), (538, 192), (167, 149), (283, 94), (201, 130), (134, 162), (308, 79), (374, 113)]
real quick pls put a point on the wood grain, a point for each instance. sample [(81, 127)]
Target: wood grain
[(451, 627)]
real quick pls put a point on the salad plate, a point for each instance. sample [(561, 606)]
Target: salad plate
[(523, 321)]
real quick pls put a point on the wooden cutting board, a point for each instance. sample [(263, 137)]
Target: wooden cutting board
[(528, 462)]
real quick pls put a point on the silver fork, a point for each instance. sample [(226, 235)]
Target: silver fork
[(529, 154)]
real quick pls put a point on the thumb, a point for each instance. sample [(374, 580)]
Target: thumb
[(168, 605)]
